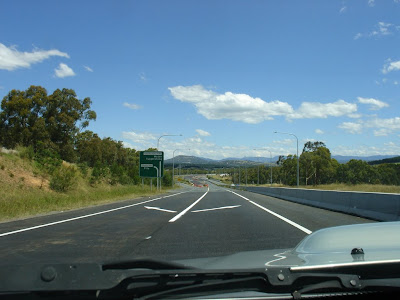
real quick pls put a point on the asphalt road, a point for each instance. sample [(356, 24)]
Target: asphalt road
[(191, 222)]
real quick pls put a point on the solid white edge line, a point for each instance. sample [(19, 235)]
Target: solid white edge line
[(188, 208), (216, 208), (82, 217), (275, 214)]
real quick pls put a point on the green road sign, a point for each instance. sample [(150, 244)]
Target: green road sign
[(150, 162)]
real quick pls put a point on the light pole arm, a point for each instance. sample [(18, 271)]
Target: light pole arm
[(158, 141)]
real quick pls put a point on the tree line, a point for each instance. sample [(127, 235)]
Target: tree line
[(51, 128), (316, 167)]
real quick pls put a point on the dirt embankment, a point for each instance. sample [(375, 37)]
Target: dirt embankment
[(15, 172)]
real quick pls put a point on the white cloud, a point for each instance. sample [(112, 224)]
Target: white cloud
[(132, 106), (381, 29), (343, 9), (140, 140), (143, 77), (284, 142), (203, 132), (319, 131), (11, 58), (351, 127), (384, 126), (309, 110), (381, 132), (391, 66), (197, 145), (381, 127), (89, 69), (242, 107), (203, 148), (63, 71), (195, 139), (375, 104), (364, 150), (371, 3), (354, 116), (128, 145), (237, 107)]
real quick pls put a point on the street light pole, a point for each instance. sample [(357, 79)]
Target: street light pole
[(158, 144), (270, 161), (173, 165), (246, 174), (297, 140)]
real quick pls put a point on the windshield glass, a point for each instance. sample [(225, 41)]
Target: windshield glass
[(184, 130)]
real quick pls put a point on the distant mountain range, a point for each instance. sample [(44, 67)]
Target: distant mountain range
[(252, 161), (344, 159), (197, 161)]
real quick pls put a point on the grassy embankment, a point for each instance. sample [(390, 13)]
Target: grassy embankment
[(24, 191), (374, 188), (224, 179)]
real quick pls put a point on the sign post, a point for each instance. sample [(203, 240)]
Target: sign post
[(151, 165)]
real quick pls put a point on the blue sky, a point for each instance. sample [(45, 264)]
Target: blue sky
[(224, 74)]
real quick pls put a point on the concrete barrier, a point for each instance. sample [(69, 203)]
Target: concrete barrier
[(378, 206)]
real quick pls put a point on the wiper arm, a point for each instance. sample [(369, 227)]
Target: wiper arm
[(206, 284), (168, 283), (276, 281), (205, 287)]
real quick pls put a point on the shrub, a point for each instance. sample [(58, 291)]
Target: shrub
[(99, 172), (167, 178), (84, 169), (26, 152), (63, 178), (48, 160)]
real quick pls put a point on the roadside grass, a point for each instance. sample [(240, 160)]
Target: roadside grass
[(225, 179), (374, 188), (25, 192), (22, 203), (181, 179)]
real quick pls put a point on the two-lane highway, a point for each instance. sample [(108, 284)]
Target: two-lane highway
[(189, 223)]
